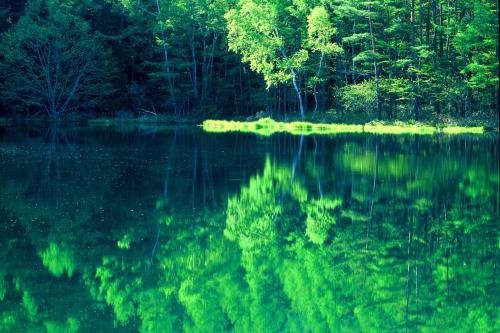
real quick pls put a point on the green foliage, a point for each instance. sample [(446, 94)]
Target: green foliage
[(257, 214), (58, 260), (435, 61), (71, 326), (320, 32), (478, 42), (359, 98), (256, 30), (29, 304), (320, 219)]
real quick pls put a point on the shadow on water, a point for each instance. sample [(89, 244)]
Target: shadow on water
[(165, 230)]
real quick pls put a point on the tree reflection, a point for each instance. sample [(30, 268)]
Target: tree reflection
[(371, 235)]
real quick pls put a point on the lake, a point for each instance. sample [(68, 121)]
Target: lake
[(167, 230)]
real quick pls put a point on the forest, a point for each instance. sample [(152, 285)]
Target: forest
[(333, 60)]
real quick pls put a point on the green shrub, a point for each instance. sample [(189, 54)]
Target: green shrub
[(359, 98)]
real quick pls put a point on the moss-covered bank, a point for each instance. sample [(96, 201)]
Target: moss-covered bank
[(267, 126)]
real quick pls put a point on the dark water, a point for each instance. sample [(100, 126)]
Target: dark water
[(163, 231)]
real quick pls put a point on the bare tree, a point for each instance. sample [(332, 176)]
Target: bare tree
[(52, 62)]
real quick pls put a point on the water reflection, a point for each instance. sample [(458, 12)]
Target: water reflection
[(179, 230)]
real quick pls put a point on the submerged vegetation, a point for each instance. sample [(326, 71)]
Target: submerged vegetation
[(268, 126), (434, 61)]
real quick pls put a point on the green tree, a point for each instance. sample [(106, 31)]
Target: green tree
[(265, 34), (477, 42), (53, 63), (320, 33)]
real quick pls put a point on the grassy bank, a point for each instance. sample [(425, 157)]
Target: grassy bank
[(264, 126), (267, 126)]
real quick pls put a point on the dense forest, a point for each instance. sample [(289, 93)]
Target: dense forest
[(431, 60)]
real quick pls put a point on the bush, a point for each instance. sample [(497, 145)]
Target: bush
[(359, 98)]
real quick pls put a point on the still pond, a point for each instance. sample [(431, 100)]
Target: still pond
[(177, 230)]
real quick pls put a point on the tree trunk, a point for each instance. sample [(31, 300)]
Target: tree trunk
[(315, 92), (375, 65), (195, 67), (294, 82), (299, 95), (167, 66), (353, 73)]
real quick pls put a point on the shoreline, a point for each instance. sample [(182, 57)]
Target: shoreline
[(267, 126)]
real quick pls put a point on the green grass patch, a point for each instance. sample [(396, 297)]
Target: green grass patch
[(267, 126), (463, 130)]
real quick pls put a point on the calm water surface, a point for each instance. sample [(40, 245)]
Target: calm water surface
[(158, 230)]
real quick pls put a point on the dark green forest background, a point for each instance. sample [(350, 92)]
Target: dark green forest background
[(430, 60)]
